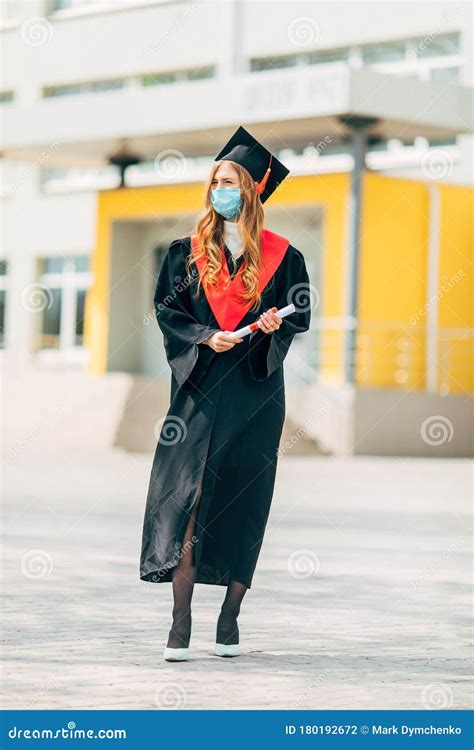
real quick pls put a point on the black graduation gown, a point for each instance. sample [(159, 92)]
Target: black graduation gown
[(223, 426)]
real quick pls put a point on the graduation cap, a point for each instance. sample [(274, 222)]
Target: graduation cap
[(264, 168)]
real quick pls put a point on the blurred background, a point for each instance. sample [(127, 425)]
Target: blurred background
[(112, 113)]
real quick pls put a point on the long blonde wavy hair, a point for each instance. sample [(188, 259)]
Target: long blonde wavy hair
[(210, 235)]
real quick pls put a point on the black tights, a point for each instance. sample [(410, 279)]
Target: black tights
[(227, 628), (183, 579)]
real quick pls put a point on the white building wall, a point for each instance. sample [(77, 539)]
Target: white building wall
[(140, 38)]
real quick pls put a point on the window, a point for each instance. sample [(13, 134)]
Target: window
[(109, 85), (445, 74), (442, 45), (441, 142), (68, 4), (422, 57), (435, 57), (63, 285), (59, 180), (200, 74), (272, 63), (177, 76), (85, 87), (65, 90), (6, 97), (3, 300), (157, 79), (383, 53), (335, 55)]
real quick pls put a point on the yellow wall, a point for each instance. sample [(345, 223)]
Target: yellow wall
[(393, 262), (173, 200), (456, 274), (393, 272), (393, 285), (113, 205)]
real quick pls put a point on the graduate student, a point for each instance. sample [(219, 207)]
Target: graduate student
[(213, 472)]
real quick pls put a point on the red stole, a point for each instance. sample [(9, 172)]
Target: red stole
[(223, 298)]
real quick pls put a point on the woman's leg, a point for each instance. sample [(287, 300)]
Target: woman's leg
[(227, 628), (183, 578)]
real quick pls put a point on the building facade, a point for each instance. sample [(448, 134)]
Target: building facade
[(111, 115)]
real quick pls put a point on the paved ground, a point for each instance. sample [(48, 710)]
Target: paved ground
[(360, 599)]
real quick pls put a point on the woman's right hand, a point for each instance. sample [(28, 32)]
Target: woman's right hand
[(221, 341)]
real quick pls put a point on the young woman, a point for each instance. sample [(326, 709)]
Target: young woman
[(213, 473)]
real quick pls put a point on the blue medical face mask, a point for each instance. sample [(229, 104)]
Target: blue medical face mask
[(226, 201)]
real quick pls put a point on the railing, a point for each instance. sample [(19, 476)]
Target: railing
[(386, 355)]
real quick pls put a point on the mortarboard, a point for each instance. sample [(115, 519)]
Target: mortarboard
[(264, 168)]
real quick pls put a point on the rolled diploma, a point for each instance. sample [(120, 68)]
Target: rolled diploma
[(254, 326)]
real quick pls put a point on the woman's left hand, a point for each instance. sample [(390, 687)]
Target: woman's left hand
[(268, 321)]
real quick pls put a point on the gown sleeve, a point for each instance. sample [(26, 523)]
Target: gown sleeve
[(268, 350), (182, 333)]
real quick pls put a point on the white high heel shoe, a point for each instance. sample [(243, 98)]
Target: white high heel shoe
[(176, 654), (222, 649)]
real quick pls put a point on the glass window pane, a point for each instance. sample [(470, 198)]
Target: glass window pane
[(335, 150), (199, 74), (109, 85), (445, 74), (155, 79), (271, 63), (51, 324), (3, 267), (336, 55), (6, 97), (3, 297), (53, 265), (68, 90), (378, 146), (439, 142), (438, 46), (82, 263), (80, 308), (381, 53)]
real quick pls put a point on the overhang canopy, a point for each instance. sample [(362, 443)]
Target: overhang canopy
[(283, 109)]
